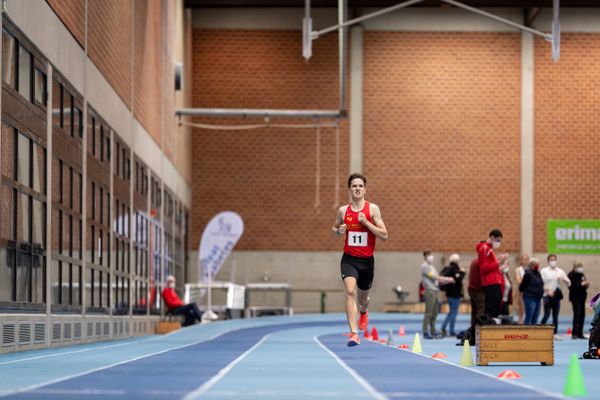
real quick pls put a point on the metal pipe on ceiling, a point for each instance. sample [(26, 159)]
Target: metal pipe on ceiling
[(258, 113)]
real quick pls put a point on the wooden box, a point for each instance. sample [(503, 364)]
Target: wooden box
[(515, 343), (164, 327)]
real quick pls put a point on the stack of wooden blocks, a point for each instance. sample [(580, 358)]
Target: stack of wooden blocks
[(515, 343)]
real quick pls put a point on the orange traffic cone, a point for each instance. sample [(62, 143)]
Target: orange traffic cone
[(509, 374), (375, 334), (401, 331), (439, 355), (404, 346), (569, 331), (366, 333)]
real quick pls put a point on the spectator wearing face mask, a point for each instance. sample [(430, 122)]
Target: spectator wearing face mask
[(552, 275), (532, 289), (431, 280), (492, 280), (454, 292), (577, 296), (176, 307)]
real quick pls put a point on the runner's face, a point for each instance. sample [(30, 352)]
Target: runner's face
[(357, 188)]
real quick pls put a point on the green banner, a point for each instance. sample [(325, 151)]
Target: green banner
[(574, 236)]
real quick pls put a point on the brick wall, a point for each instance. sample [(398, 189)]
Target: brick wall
[(109, 41), (442, 137), (110, 35), (268, 175), (566, 132), (72, 14), (148, 66)]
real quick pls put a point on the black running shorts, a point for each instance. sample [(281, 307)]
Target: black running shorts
[(362, 269)]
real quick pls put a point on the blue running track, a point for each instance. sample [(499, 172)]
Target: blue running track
[(302, 357)]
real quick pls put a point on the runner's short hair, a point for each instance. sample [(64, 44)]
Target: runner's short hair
[(496, 233), (356, 175)]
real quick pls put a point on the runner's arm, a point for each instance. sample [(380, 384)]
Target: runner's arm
[(377, 227), (339, 228)]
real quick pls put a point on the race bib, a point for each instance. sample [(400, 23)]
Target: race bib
[(357, 239)]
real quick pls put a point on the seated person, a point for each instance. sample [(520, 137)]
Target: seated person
[(176, 307), (594, 342)]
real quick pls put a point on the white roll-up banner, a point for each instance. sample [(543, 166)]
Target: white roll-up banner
[(218, 240)]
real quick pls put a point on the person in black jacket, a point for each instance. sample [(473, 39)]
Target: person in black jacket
[(532, 287), (454, 292), (577, 296)]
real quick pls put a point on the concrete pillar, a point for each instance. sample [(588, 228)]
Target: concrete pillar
[(527, 150), (356, 99)]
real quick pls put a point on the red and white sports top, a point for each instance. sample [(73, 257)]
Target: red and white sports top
[(360, 241)]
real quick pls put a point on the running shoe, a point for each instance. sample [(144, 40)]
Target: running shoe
[(354, 340), (363, 321)]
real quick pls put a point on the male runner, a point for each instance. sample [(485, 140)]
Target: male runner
[(360, 222)]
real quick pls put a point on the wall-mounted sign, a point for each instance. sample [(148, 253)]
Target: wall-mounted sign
[(574, 236)]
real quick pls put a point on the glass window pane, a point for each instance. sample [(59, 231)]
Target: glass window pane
[(67, 112), (8, 151), (7, 224), (39, 169), (38, 269), (101, 143), (40, 87), (76, 279), (77, 195), (23, 276), (23, 161), (77, 123), (91, 132), (91, 240), (77, 238), (66, 238), (57, 103), (38, 229), (23, 218), (24, 73), (66, 185), (89, 292), (92, 200), (8, 58)]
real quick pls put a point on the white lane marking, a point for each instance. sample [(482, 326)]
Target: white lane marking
[(76, 351), (510, 382), (65, 378), (372, 391), (212, 381)]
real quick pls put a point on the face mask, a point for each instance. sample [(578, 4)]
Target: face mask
[(430, 259), (495, 244), (505, 270), (553, 264), (536, 267), (579, 269)]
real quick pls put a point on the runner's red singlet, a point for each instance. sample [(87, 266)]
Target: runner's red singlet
[(360, 241)]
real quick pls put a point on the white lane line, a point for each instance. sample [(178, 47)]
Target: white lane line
[(65, 378), (212, 381), (372, 391), (510, 382), (77, 351)]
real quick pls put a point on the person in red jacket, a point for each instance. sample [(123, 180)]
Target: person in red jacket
[(176, 307), (492, 280)]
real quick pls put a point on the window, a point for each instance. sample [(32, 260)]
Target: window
[(57, 100), (97, 243), (39, 83), (67, 112), (23, 216), (9, 48), (24, 72)]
